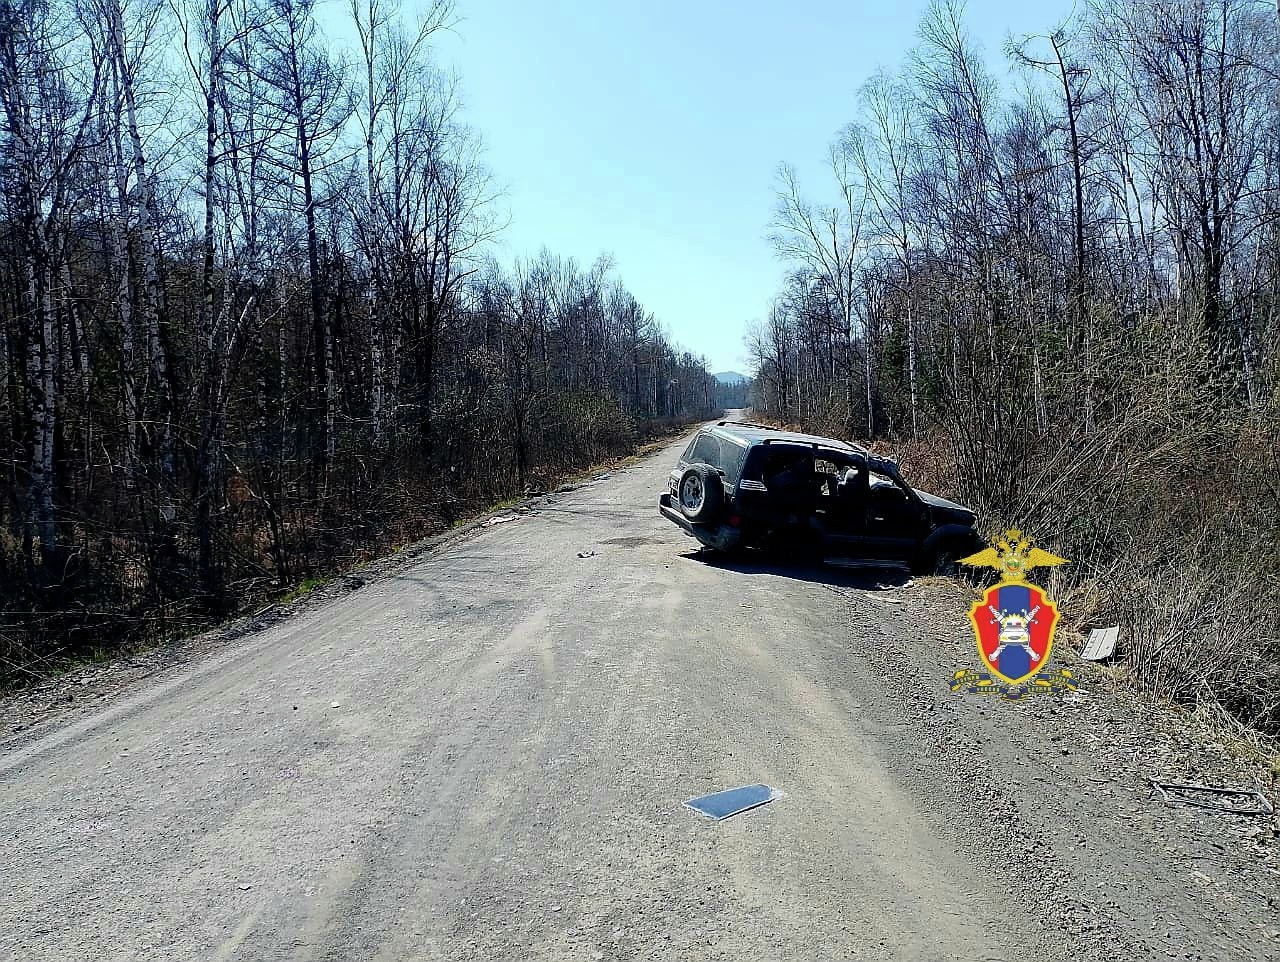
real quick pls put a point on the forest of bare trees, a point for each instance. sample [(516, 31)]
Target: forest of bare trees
[(250, 329), (1058, 295)]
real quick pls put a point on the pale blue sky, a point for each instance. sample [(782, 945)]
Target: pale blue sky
[(653, 131)]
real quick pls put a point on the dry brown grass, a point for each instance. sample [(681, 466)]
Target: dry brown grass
[(1170, 515), (1172, 532)]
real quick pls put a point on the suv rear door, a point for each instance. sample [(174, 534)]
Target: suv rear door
[(705, 449), (723, 453), (755, 499)]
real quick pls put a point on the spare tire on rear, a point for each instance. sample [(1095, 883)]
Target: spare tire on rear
[(701, 494)]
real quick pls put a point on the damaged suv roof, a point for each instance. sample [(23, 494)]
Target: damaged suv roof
[(746, 433)]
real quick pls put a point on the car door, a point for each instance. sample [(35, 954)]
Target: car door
[(764, 505), (831, 507), (880, 521), (895, 515), (704, 448), (845, 521)]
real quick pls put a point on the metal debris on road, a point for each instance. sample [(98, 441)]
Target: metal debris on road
[(499, 519), (1101, 644), (1237, 801), (721, 805), (869, 564)]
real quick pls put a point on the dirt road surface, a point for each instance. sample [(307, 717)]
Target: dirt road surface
[(484, 755)]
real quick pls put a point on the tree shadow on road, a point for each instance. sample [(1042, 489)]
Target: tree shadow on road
[(868, 578)]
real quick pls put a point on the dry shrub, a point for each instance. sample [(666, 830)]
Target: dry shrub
[(1170, 516), (1192, 637), (1169, 511)]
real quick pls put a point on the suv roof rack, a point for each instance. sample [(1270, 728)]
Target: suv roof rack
[(746, 424)]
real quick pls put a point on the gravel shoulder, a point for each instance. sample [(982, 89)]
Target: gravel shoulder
[(479, 749)]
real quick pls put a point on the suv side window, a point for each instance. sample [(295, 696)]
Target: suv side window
[(706, 448), (767, 459), (732, 457), (753, 469), (688, 452)]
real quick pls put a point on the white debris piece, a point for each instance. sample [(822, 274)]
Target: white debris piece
[(1101, 644)]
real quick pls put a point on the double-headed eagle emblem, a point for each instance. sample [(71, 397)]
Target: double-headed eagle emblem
[(1013, 623), (1013, 556)]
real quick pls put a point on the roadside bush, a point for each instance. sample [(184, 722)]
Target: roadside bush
[(1172, 527)]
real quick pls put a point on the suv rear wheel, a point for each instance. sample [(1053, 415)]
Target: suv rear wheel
[(701, 494)]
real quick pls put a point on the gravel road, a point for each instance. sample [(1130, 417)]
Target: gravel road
[(484, 754)]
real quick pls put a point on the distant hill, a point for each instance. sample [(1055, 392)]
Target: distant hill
[(731, 390)]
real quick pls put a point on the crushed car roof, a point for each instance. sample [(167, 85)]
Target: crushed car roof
[(752, 433), (747, 433)]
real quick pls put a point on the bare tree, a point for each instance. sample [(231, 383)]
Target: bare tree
[(48, 101), (827, 242)]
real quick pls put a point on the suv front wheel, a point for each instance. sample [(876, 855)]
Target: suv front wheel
[(701, 493), (942, 560)]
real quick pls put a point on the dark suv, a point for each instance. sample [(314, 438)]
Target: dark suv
[(741, 485)]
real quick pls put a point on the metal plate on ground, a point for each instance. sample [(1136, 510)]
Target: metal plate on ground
[(875, 564), (722, 805), (1101, 644)]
